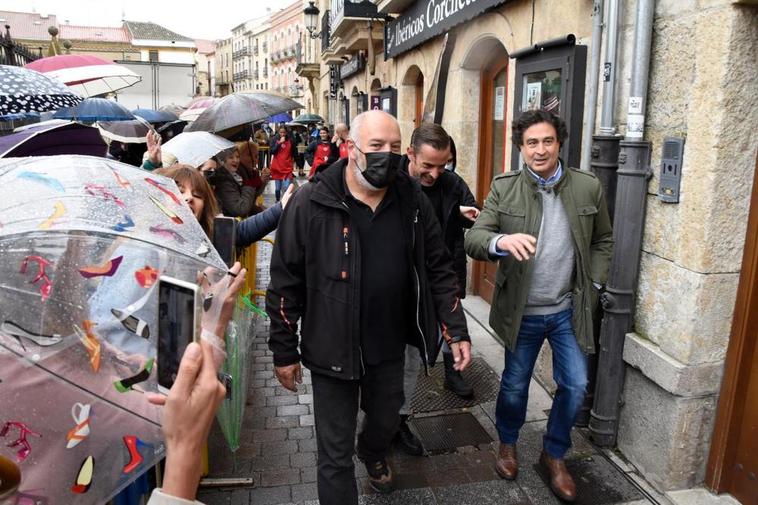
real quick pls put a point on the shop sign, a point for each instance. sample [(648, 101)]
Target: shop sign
[(334, 80), (376, 102), (426, 19), (354, 65)]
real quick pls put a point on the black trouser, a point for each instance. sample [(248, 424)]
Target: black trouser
[(335, 404), (263, 159)]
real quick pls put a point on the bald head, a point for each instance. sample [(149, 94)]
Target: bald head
[(373, 127), (341, 131)]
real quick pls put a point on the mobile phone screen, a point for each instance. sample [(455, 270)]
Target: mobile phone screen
[(176, 326), (224, 237)]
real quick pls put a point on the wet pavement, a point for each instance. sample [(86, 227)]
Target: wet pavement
[(278, 445)]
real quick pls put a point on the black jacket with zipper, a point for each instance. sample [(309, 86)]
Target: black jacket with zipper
[(455, 192), (315, 277)]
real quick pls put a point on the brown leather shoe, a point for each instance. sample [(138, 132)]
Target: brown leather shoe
[(561, 482), (506, 464)]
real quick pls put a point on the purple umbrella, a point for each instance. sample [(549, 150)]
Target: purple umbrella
[(56, 138)]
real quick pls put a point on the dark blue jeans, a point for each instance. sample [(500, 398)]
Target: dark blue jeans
[(569, 373)]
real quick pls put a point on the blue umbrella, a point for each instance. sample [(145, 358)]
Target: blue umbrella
[(95, 109), (282, 117), (155, 116)]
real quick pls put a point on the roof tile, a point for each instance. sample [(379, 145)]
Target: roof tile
[(151, 31)]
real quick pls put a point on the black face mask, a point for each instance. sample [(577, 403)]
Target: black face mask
[(381, 167)]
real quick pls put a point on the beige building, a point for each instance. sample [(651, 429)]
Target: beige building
[(241, 52), (258, 37), (682, 358), (205, 62), (224, 69)]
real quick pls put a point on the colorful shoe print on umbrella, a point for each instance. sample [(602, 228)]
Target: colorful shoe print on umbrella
[(82, 429), (124, 385), (91, 343), (84, 476), (58, 212), (107, 269), (18, 333), (146, 276), (23, 431), (131, 323), (135, 458)]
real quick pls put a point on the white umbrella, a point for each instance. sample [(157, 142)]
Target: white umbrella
[(86, 75), (194, 148)]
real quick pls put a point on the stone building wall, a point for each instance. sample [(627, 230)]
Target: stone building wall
[(703, 68)]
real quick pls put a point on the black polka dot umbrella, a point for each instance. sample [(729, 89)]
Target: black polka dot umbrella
[(23, 90)]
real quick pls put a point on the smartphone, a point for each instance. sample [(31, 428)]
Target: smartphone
[(179, 314), (225, 238)]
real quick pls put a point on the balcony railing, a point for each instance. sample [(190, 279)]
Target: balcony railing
[(325, 27), (239, 53), (238, 76)]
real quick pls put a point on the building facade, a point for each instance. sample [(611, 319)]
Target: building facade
[(472, 66), (284, 34), (224, 67), (241, 52), (205, 63), (259, 35)]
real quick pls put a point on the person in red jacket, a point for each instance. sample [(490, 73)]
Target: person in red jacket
[(321, 153), (283, 152)]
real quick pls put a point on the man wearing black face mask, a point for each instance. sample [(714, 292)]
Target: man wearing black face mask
[(359, 258)]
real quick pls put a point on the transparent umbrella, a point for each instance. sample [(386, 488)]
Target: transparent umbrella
[(83, 241)]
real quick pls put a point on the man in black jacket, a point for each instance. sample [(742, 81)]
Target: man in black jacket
[(359, 258), (456, 209)]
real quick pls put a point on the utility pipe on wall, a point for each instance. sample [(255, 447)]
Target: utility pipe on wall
[(607, 124), (628, 226), (591, 105)]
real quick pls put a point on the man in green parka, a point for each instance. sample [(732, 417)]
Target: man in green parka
[(548, 226)]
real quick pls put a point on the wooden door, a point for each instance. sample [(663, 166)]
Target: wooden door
[(733, 462), (419, 101), (492, 153)]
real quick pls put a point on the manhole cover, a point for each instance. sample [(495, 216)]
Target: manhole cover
[(447, 432), (431, 396)]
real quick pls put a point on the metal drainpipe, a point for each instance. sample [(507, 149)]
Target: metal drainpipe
[(590, 152), (618, 301), (607, 126), (591, 105), (600, 152)]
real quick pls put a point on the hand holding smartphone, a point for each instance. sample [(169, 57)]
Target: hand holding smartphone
[(179, 316)]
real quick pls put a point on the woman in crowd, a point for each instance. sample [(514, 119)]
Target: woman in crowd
[(251, 175), (321, 152), (199, 196), (284, 151), (234, 198)]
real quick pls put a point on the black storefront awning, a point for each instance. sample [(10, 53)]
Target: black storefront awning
[(427, 19)]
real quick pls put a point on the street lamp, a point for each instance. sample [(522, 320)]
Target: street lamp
[(311, 20)]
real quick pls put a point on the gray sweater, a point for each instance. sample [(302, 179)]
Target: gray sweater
[(553, 274)]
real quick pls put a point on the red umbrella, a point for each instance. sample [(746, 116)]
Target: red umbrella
[(86, 75)]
